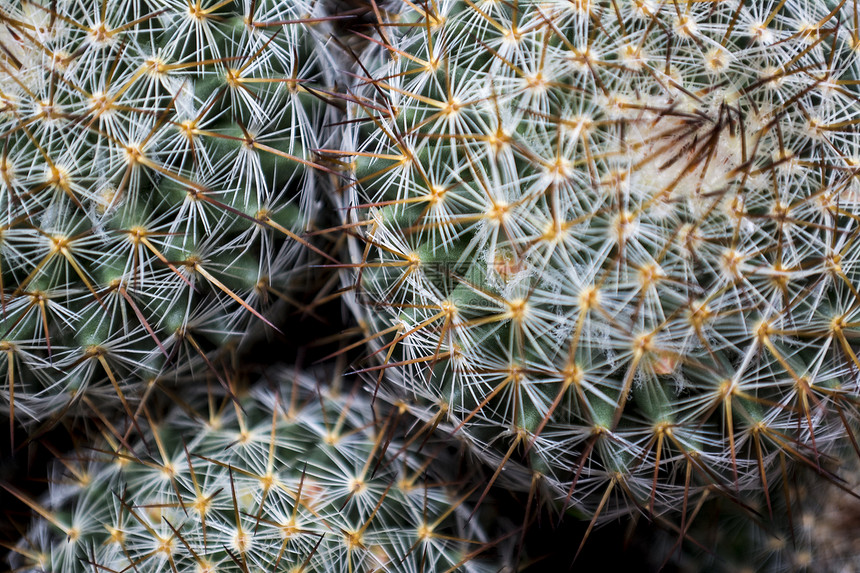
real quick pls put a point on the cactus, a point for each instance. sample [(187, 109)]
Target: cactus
[(156, 176), (612, 245), (291, 477)]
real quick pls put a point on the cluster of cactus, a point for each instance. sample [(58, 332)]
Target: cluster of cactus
[(607, 247), (156, 181)]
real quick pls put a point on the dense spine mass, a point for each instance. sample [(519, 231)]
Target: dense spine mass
[(293, 477), (156, 179), (612, 245)]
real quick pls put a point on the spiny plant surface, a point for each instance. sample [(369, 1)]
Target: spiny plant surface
[(155, 181), (811, 523), (291, 477), (613, 245)]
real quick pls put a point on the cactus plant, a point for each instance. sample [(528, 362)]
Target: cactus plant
[(612, 245), (293, 476), (156, 174)]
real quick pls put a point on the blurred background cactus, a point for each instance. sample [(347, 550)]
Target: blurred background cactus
[(612, 245), (157, 177), (295, 476)]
